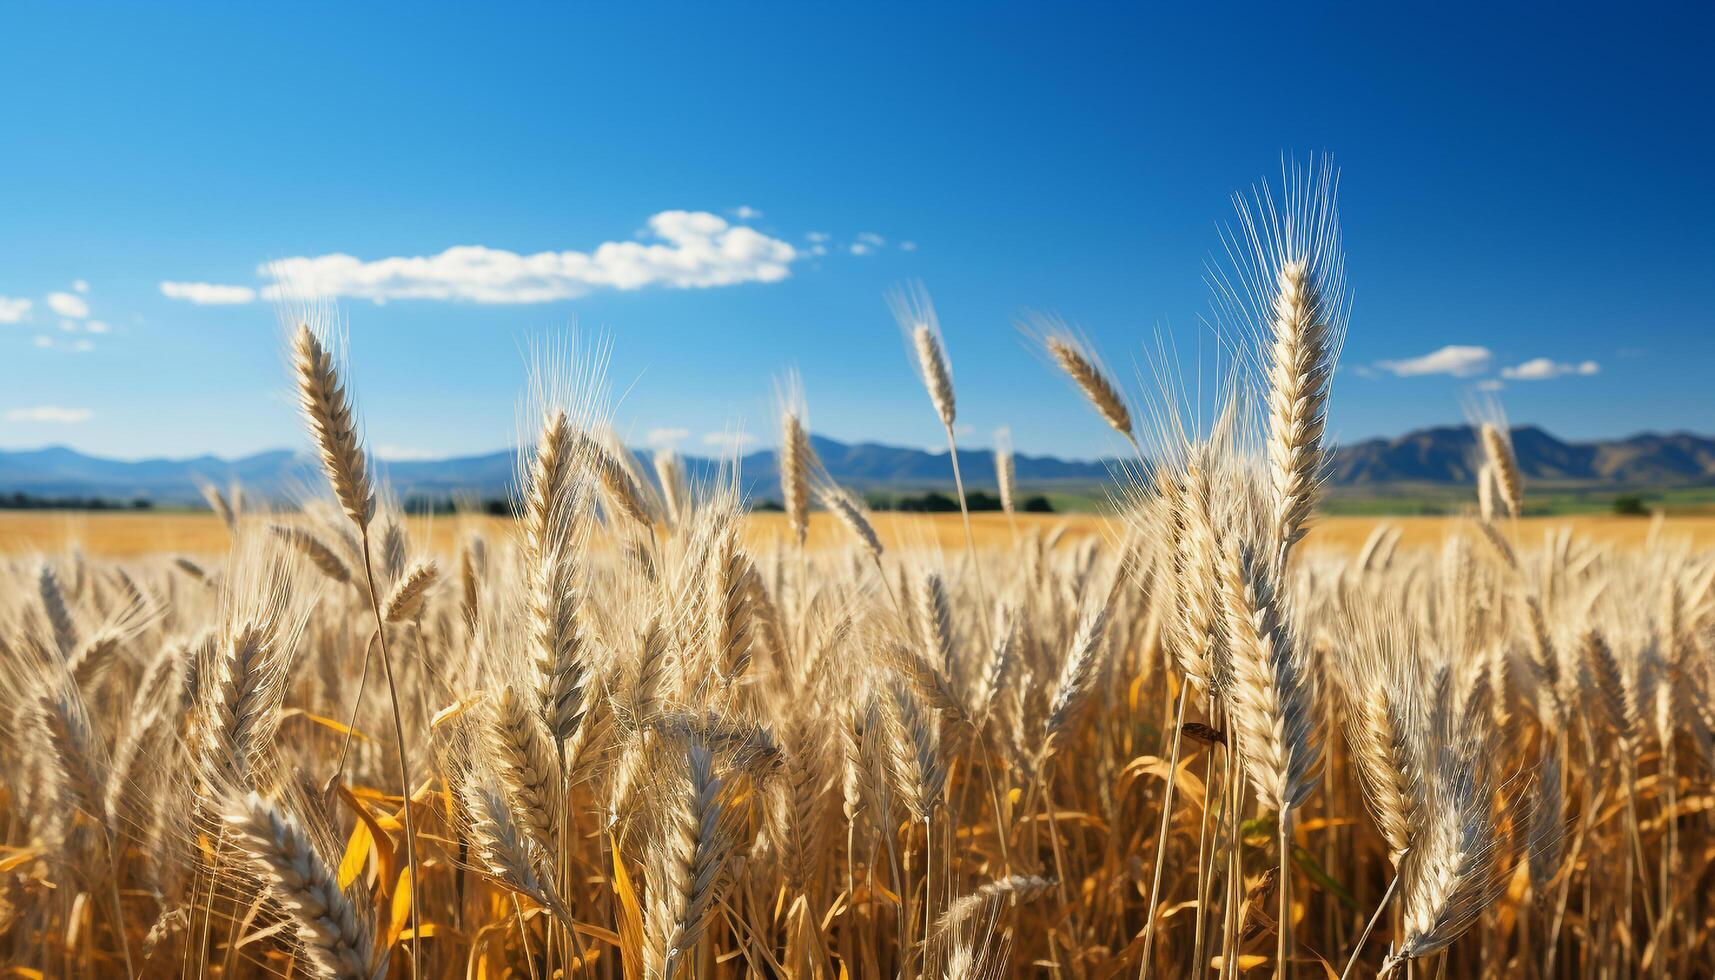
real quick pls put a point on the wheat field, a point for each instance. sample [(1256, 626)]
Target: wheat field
[(202, 535), (638, 733)]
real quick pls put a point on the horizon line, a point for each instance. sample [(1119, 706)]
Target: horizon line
[(930, 451)]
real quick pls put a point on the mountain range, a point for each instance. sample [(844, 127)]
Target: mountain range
[(1445, 455)]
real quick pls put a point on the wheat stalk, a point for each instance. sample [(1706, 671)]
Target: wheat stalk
[(327, 411)]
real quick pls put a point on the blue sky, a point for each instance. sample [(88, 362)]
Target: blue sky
[(1533, 192)]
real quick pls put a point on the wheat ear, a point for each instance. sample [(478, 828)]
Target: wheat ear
[(686, 872), (556, 631), (326, 560), (246, 687), (795, 462), (1103, 395), (217, 502), (1383, 735), (1077, 676), (335, 934), (1270, 698), (327, 410), (1015, 889), (506, 852), (932, 364), (1503, 468), (528, 768), (669, 473), (914, 752), (406, 600), (619, 489), (58, 612), (1453, 871), (853, 517), (1300, 370)]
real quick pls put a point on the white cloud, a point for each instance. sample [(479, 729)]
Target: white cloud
[(745, 212), (405, 453), (207, 293), (862, 248), (49, 413), (1455, 359), (1490, 384), (728, 441), (1541, 369), (66, 304), (13, 310), (694, 249), (80, 285), (908, 246), (666, 438), (871, 238), (96, 326), (82, 346), (817, 236), (70, 326), (42, 340)]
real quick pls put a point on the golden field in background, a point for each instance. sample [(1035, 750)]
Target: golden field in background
[(131, 534)]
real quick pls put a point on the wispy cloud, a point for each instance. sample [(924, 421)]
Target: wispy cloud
[(745, 212), (14, 310), (208, 293), (728, 441), (691, 250), (403, 454), (80, 345), (867, 243), (666, 438), (1458, 360), (49, 413), (68, 305), (1542, 369)]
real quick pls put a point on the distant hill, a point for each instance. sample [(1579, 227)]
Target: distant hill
[(62, 472), (1446, 456), (1450, 455)]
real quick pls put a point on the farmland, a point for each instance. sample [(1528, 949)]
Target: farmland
[(127, 534)]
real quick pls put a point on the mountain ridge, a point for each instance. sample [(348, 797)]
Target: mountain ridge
[(1442, 455)]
